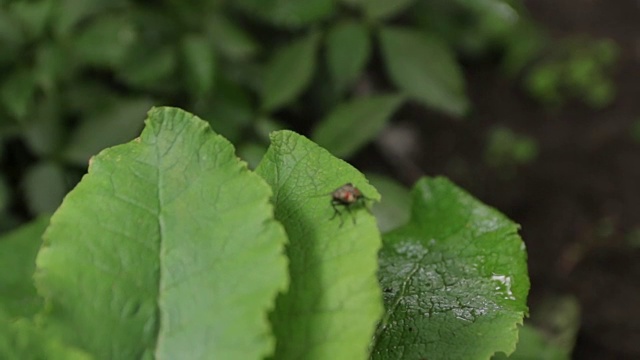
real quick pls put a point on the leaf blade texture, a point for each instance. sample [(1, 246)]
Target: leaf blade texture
[(167, 248), (348, 49), (334, 301), (425, 69), (351, 125), (455, 279), (289, 72)]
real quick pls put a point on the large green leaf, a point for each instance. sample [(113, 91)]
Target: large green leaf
[(425, 69), (348, 50), (350, 126), (18, 252), (455, 279), (289, 72), (288, 13), (334, 301), (166, 248)]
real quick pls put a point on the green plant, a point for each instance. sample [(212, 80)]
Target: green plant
[(575, 68), (506, 149), (171, 248), (81, 74)]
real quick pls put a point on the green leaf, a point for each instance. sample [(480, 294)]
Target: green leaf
[(230, 111), (68, 13), (106, 40), (230, 39), (44, 130), (18, 251), (350, 126), (394, 209), (34, 15), (288, 13), (380, 9), (16, 92), (53, 66), (118, 123), (148, 65), (167, 248), (44, 187), (333, 303), (425, 69), (23, 340), (348, 50), (199, 63), (455, 279), (289, 72)]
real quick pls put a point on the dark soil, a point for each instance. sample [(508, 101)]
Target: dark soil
[(580, 199)]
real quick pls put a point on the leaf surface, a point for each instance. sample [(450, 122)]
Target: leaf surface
[(352, 125), (167, 248), (334, 301), (425, 69), (348, 50), (289, 72), (454, 278)]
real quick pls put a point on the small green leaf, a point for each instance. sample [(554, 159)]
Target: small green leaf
[(44, 187), (348, 50), (394, 209), (167, 248), (230, 111), (350, 126), (333, 303), (199, 63), (68, 13), (288, 13), (18, 251), (105, 41), (425, 69), (52, 66), (118, 123), (17, 92), (23, 340), (34, 15), (289, 72), (380, 9), (230, 39), (455, 279), (148, 65), (44, 130)]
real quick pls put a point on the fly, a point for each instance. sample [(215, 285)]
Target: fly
[(347, 196)]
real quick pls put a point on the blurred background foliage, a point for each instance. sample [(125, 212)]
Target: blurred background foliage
[(79, 75)]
